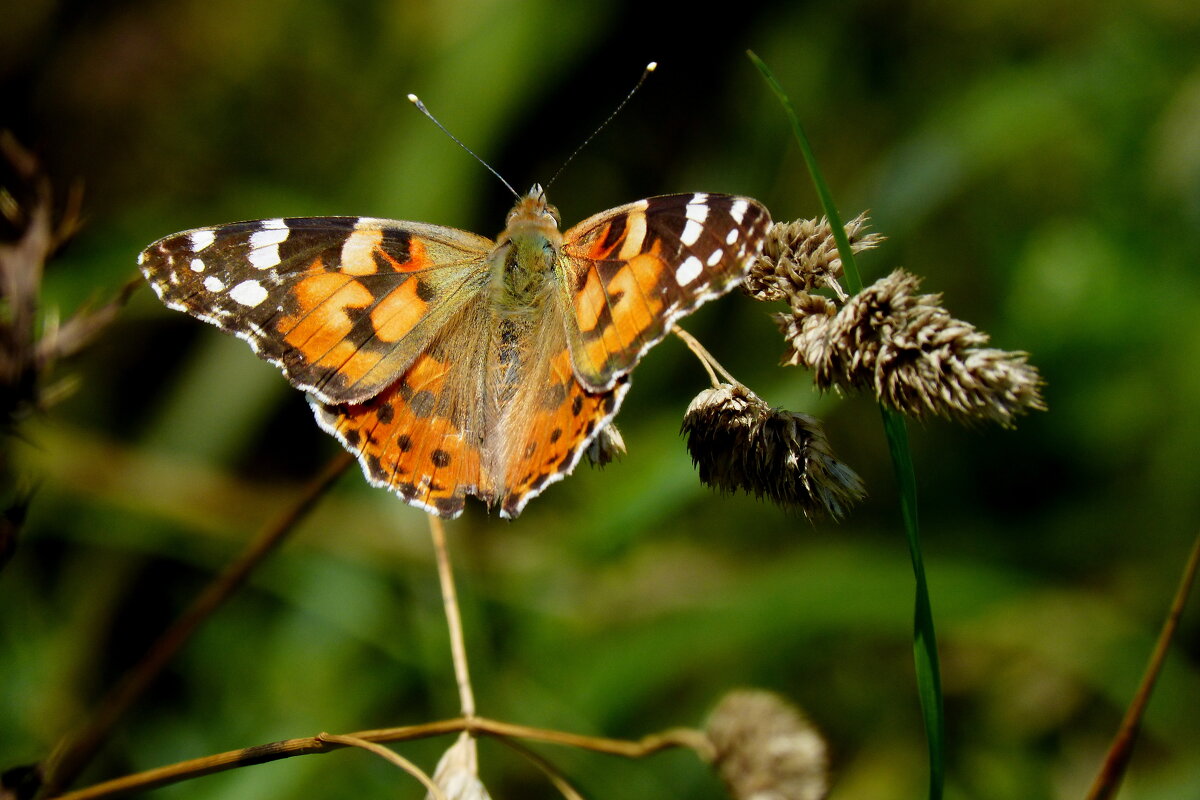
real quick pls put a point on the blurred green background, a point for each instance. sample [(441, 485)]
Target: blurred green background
[(1039, 164)]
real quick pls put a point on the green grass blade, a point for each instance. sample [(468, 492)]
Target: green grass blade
[(929, 681), (929, 674), (853, 279)]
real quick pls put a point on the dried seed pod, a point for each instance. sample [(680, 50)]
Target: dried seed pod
[(738, 442), (911, 353), (766, 749)]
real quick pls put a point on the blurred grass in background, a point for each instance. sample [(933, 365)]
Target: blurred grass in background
[(1039, 164)]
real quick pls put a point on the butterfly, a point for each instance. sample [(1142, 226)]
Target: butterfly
[(451, 364)]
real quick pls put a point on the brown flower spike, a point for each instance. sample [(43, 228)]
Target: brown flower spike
[(766, 749), (907, 349), (902, 346), (800, 256), (738, 442)]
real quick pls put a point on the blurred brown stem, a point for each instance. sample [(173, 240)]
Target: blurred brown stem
[(388, 755), (705, 357), (458, 648), (184, 770), (1117, 760), (76, 750), (552, 773)]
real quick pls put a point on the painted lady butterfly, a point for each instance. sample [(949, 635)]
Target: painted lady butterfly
[(450, 364)]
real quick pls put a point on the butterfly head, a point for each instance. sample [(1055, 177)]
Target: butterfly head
[(533, 216)]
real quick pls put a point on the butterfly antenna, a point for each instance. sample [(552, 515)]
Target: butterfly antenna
[(645, 74), (416, 101)]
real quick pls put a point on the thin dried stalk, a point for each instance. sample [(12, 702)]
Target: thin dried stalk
[(479, 726), (390, 756), (76, 750), (458, 647), (1108, 781)]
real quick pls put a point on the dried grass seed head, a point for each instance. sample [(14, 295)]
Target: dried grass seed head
[(800, 256), (911, 353), (608, 446), (738, 442), (766, 749)]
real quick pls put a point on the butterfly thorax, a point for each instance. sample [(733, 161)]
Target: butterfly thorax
[(525, 256)]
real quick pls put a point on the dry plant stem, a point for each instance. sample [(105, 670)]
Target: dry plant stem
[(388, 755), (77, 749), (458, 648), (551, 772), (1115, 762), (706, 358), (260, 754)]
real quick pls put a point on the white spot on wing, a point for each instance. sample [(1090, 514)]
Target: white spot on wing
[(732, 237), (738, 210), (201, 239), (264, 243), (715, 258), (248, 293), (197, 265), (265, 257), (214, 284), (691, 232), (688, 271), (697, 209)]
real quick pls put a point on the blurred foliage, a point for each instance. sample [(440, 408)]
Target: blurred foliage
[(1038, 163)]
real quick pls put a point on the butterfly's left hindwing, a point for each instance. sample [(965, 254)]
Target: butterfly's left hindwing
[(341, 304), (632, 271), (425, 436)]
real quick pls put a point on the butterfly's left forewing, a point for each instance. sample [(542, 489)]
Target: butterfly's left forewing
[(341, 304), (631, 272)]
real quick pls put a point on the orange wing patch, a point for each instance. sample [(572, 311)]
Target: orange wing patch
[(418, 257), (616, 318), (638, 301), (590, 301), (326, 311), (406, 444), (399, 311), (564, 419)]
